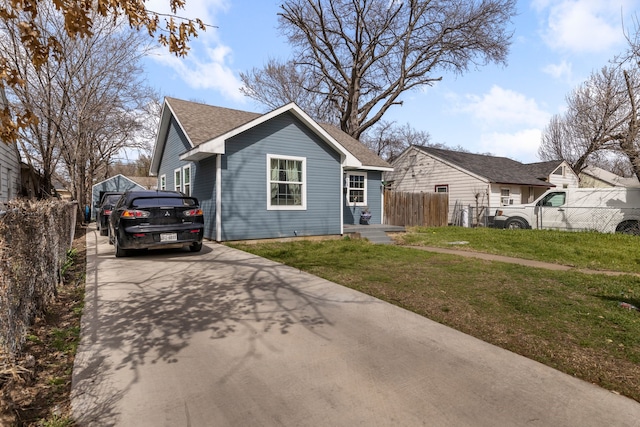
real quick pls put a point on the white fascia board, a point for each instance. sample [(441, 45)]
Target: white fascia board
[(217, 145), (370, 168), (348, 159), (161, 136)]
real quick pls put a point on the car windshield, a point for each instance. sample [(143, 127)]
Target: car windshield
[(149, 202), (111, 199)]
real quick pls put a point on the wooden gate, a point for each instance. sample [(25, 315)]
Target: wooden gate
[(416, 209)]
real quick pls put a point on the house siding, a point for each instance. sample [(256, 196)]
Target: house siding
[(203, 174), (568, 180), (9, 172), (351, 212), (417, 172), (115, 183), (244, 183)]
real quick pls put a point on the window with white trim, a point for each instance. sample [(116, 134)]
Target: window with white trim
[(505, 197), (163, 182), (357, 188), (177, 179), (442, 188), (286, 182), (186, 180)]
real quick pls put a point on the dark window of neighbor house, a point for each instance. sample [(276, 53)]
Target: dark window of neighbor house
[(442, 188)]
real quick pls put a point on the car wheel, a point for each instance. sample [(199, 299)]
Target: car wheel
[(516, 224), (104, 231), (119, 251), (195, 247), (629, 227)]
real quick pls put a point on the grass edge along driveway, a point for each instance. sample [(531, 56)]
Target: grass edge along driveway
[(567, 320)]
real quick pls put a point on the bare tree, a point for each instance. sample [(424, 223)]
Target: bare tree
[(360, 56), (86, 101), (597, 112), (280, 83), (388, 140), (79, 18)]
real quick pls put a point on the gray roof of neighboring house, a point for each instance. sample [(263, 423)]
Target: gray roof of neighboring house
[(542, 169), (495, 169), (204, 122)]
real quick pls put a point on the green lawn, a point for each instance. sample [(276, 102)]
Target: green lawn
[(568, 320), (619, 252)]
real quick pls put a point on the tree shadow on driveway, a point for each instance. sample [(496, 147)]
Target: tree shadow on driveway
[(148, 308)]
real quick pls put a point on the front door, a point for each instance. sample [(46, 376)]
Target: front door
[(552, 211)]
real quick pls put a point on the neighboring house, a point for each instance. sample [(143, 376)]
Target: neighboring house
[(478, 181), (148, 182), (594, 177), (261, 176), (10, 172), (115, 183)]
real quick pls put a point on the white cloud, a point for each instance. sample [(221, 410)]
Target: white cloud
[(504, 109), (208, 63), (584, 26), (561, 71), (521, 146)]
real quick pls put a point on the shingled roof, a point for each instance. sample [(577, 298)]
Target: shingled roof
[(500, 170), (202, 123)]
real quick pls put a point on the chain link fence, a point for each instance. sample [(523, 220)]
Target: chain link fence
[(34, 240)]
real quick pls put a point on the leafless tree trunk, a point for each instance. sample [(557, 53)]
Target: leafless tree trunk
[(89, 101), (360, 56)]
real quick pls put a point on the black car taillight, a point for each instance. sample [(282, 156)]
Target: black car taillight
[(193, 212), (133, 213)]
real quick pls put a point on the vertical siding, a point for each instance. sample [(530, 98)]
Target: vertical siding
[(244, 183), (416, 172)]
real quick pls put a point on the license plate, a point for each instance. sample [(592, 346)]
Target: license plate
[(168, 237)]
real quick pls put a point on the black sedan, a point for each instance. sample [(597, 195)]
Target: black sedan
[(155, 219), (107, 203)]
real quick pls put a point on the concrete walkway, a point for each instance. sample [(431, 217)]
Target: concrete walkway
[(525, 262), (225, 338)]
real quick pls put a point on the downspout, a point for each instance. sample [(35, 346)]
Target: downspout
[(342, 200), (381, 201), (218, 197)]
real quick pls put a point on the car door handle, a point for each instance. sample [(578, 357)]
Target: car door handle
[(560, 210)]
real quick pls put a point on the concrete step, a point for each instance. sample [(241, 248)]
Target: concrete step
[(376, 236)]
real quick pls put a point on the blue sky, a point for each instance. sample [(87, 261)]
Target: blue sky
[(495, 109)]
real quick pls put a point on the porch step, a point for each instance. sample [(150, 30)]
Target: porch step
[(376, 236)]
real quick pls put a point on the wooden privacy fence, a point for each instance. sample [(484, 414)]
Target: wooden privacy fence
[(416, 209)]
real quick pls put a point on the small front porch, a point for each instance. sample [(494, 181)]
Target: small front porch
[(375, 233)]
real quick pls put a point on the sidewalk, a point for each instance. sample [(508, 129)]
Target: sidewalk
[(521, 261)]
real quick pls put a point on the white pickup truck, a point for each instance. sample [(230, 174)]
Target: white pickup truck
[(607, 210)]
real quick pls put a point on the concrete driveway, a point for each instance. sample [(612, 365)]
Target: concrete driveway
[(224, 338)]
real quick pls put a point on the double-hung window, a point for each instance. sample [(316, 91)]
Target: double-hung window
[(357, 188), (182, 180), (186, 180), (505, 197), (163, 182), (286, 180), (177, 179)]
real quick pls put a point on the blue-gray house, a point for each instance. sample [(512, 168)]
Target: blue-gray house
[(261, 176)]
